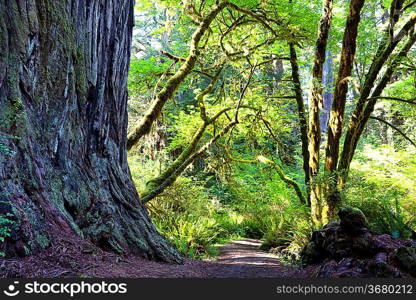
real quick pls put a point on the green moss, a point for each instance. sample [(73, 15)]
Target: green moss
[(57, 196), (42, 240), (80, 70), (27, 250)]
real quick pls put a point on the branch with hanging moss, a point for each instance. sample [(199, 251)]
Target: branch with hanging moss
[(174, 81), (157, 190), (172, 57), (144, 125), (360, 115), (187, 156), (315, 103), (336, 118), (316, 98), (191, 147)]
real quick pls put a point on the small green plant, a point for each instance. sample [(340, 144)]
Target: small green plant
[(5, 230)]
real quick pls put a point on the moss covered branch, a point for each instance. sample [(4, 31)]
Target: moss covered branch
[(289, 181), (144, 126), (157, 190), (336, 120), (315, 102)]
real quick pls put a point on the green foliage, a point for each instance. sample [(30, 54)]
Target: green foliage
[(185, 213), (5, 223), (268, 207), (216, 198), (382, 185), (4, 148), (196, 214), (191, 218)]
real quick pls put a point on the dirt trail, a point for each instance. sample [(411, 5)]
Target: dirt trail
[(238, 259), (243, 258)]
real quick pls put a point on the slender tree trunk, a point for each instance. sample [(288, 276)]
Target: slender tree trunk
[(336, 121), (64, 66), (356, 127), (302, 116), (385, 49), (315, 102)]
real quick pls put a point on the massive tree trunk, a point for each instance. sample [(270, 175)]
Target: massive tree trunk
[(63, 98)]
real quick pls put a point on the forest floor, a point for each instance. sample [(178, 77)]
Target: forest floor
[(238, 259)]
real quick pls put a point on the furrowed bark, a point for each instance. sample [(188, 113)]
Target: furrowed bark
[(315, 101), (336, 119), (302, 115), (64, 65)]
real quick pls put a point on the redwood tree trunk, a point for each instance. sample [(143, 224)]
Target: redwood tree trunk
[(63, 98)]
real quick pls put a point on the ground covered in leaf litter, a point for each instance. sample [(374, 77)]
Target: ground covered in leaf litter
[(78, 258)]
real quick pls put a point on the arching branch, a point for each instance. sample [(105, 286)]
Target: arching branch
[(395, 128), (157, 190), (174, 81), (409, 101), (280, 172)]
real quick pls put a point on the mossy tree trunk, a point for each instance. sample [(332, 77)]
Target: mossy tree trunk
[(364, 108), (302, 116), (315, 102), (336, 120), (63, 99)]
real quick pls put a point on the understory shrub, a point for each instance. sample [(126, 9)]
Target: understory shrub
[(5, 222), (382, 184)]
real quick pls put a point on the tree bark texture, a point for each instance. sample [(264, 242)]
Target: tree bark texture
[(315, 102), (349, 45), (63, 99), (302, 116), (336, 120)]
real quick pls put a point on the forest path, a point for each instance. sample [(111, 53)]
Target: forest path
[(243, 258), (78, 258)]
